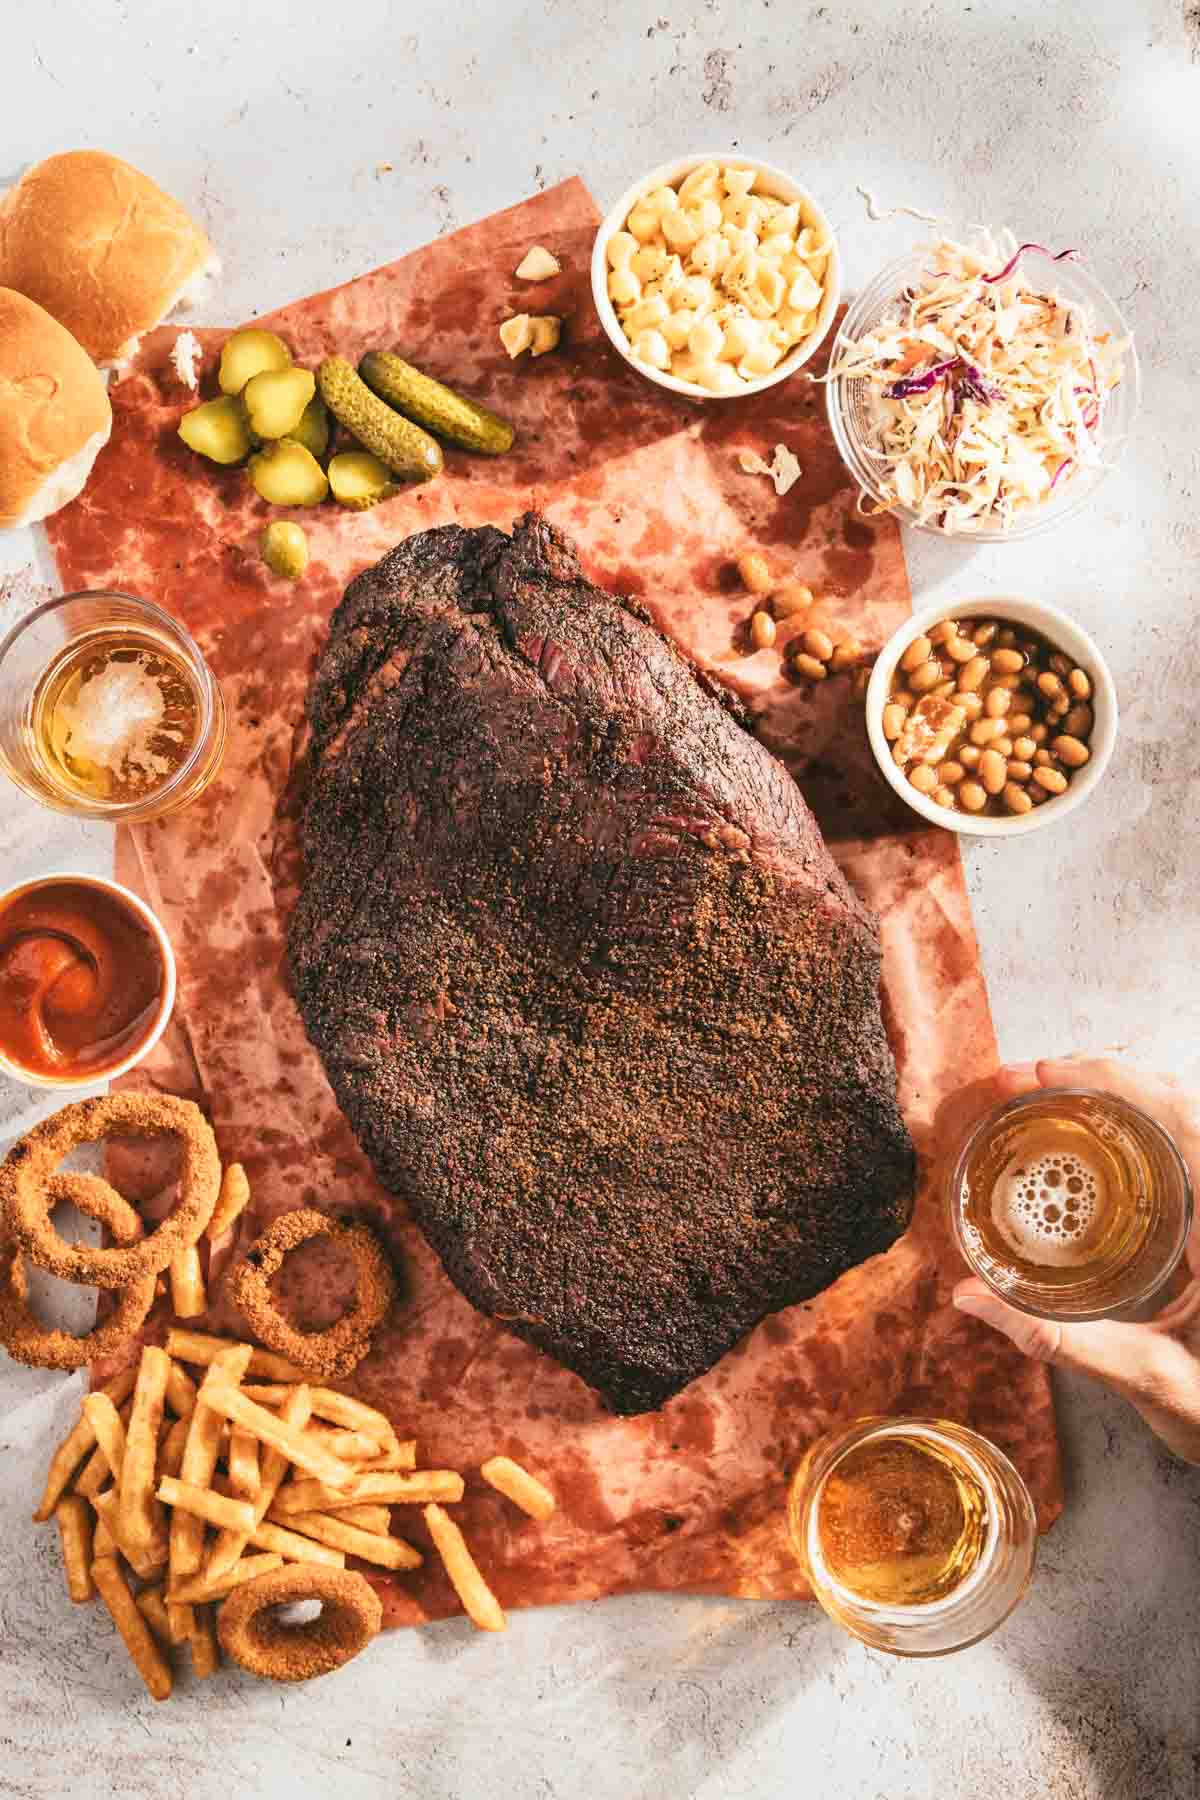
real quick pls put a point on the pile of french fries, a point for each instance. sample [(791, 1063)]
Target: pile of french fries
[(194, 1490)]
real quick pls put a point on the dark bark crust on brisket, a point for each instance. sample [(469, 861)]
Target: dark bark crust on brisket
[(582, 974)]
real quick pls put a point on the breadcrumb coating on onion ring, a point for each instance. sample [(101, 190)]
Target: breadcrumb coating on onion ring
[(332, 1353), (43, 1346), (25, 1207), (254, 1636)]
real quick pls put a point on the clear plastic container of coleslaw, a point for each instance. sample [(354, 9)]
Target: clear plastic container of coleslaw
[(958, 393)]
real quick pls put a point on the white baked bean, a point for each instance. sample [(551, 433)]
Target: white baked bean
[(1017, 800), (984, 730), (1006, 661), (997, 703), (1053, 780), (819, 645), (993, 771), (1024, 747), (893, 721), (1070, 751), (917, 653), (1079, 684), (755, 574), (972, 796), (923, 779), (961, 649), (972, 675)]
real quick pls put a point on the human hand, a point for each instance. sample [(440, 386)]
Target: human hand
[(1156, 1365)]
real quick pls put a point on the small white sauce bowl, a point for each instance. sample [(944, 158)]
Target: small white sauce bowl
[(31, 1077), (779, 186), (1066, 636)]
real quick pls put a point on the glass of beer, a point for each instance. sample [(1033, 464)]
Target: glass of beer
[(917, 1535), (1071, 1204), (108, 709)]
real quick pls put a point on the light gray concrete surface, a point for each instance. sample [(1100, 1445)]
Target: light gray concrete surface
[(1074, 122)]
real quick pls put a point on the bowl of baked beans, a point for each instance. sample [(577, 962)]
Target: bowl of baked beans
[(994, 716)]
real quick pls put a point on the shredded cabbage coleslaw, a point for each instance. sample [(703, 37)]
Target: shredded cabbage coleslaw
[(987, 389)]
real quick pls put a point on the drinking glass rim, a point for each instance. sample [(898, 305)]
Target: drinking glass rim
[(1174, 1158), (126, 814), (908, 1425)]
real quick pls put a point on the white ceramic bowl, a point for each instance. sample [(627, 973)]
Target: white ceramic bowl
[(1066, 636), (29, 1077), (779, 186)]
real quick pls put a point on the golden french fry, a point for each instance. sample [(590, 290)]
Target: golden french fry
[(103, 1541), (148, 1659), (392, 1489), (153, 1608), (206, 1654), (181, 1621), (205, 1503), (188, 1299), (372, 1547), (479, 1602), (108, 1511), (273, 1431), (74, 1518), (229, 1545), (348, 1446), (170, 1455), (340, 1409), (75, 1447), (141, 1525), (232, 1200), (94, 1474), (377, 1519), (519, 1486), (200, 1458), (198, 1588), (181, 1392), (294, 1548), (242, 1462), (199, 1347), (109, 1430), (400, 1456)]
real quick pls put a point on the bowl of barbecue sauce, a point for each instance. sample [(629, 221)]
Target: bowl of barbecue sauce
[(87, 980)]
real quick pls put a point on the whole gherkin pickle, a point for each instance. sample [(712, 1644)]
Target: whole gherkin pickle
[(434, 405), (285, 549), (403, 446)]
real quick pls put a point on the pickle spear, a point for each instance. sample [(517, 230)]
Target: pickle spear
[(403, 446), (434, 405)]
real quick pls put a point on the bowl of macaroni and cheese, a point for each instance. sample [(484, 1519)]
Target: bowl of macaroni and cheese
[(716, 276)]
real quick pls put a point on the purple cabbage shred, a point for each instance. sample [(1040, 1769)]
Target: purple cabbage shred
[(969, 385), (1060, 471), (1014, 259)]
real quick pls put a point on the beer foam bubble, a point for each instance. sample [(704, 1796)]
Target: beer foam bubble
[(1045, 1207)]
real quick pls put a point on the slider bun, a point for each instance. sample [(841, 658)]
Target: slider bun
[(103, 249), (54, 413)]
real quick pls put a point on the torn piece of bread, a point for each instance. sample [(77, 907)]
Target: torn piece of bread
[(101, 248), (54, 413)]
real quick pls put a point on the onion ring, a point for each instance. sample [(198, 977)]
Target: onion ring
[(333, 1353), (134, 1112), (43, 1347), (351, 1615)]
